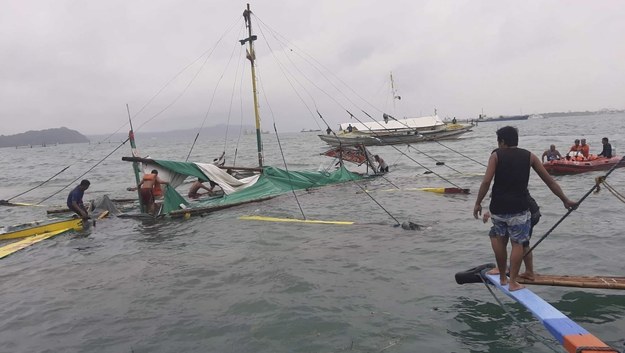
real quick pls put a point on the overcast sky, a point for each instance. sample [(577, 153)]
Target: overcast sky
[(78, 63)]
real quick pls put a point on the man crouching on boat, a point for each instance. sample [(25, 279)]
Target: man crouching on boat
[(74, 199), (509, 205)]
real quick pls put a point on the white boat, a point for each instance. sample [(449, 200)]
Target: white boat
[(393, 131)]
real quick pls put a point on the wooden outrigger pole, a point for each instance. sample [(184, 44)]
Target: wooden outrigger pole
[(251, 56)]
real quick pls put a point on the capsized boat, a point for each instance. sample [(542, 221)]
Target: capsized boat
[(572, 165), (357, 154), (241, 185), (265, 183), (34, 232), (39, 227)]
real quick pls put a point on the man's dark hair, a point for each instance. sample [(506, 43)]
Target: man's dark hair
[(154, 171), (85, 182), (509, 135), (606, 139)]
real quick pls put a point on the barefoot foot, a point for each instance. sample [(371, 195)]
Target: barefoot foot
[(527, 276), (515, 286)]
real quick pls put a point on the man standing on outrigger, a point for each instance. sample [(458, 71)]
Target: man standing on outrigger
[(509, 205)]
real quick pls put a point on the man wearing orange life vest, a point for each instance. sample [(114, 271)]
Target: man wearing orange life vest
[(584, 148), (576, 147), (150, 189)]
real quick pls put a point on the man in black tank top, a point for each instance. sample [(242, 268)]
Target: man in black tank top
[(509, 206)]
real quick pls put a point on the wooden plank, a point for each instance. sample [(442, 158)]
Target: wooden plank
[(577, 281), (21, 244)]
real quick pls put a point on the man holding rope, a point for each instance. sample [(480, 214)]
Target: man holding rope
[(509, 205)]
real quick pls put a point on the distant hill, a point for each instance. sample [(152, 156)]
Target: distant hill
[(43, 137), (586, 113), (181, 135)]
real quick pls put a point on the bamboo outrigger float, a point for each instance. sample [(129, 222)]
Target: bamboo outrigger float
[(573, 337)]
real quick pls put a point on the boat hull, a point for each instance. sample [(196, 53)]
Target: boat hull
[(570, 166), (36, 228), (383, 139), (504, 118)]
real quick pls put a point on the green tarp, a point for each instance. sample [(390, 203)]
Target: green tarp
[(276, 181), (272, 182)]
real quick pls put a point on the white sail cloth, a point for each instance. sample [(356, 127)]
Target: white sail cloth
[(227, 182)]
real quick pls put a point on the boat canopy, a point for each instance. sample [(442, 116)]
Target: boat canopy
[(271, 182), (399, 124)]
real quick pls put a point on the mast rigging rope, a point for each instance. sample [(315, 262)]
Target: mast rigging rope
[(595, 186)]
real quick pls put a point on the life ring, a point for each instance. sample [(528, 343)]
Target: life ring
[(473, 275)]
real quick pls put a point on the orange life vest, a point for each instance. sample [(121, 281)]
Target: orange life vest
[(156, 189), (585, 149), (575, 148)]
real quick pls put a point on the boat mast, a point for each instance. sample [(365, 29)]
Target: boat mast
[(394, 93), (251, 56)]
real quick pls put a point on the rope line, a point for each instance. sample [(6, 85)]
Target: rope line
[(540, 338), (595, 186), (318, 67), (434, 159), (31, 189), (88, 170), (286, 167), (360, 186), (610, 188), (409, 157), (210, 105)]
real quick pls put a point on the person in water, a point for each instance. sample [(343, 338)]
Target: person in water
[(74, 199), (584, 148), (510, 166), (150, 189), (382, 166), (607, 148), (196, 186), (551, 154), (528, 258)]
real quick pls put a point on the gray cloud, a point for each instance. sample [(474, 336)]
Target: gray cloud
[(76, 64)]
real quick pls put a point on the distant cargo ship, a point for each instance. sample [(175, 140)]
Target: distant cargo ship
[(484, 119)]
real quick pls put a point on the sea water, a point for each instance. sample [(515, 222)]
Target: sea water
[(219, 284)]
